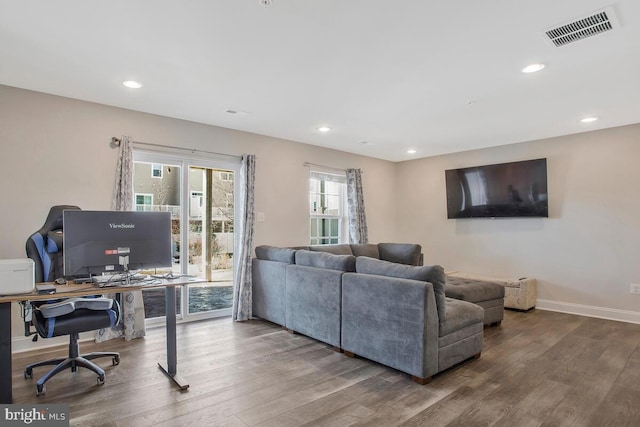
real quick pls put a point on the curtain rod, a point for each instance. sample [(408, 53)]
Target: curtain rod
[(307, 164), (115, 142)]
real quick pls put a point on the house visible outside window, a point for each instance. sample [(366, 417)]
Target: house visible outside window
[(144, 202), (327, 201), (226, 176), (196, 204), (156, 171)]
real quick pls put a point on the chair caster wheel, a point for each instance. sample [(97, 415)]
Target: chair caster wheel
[(100, 379), (40, 390), (28, 373), (115, 360)]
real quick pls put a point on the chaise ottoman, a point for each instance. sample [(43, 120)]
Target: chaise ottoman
[(519, 294), (488, 295)]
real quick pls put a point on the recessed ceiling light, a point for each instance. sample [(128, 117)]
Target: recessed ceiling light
[(132, 84), (589, 119), (411, 151), (324, 129), (532, 68)]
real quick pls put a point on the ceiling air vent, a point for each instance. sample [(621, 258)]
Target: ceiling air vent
[(597, 23)]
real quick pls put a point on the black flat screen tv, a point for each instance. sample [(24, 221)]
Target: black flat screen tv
[(515, 189), (96, 242)]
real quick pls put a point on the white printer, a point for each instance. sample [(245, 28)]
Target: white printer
[(16, 276)]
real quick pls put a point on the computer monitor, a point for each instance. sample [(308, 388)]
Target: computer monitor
[(95, 242)]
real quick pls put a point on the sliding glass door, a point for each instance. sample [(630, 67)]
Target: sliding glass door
[(211, 238), (200, 195)]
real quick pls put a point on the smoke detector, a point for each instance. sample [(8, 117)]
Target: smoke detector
[(265, 3), (596, 23)]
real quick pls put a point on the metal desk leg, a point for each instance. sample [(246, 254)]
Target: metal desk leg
[(170, 369), (6, 392)]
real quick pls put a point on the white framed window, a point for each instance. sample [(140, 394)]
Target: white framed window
[(156, 171), (144, 201), (327, 208), (226, 176)]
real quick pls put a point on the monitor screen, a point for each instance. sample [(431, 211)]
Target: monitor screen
[(95, 242), (516, 189)]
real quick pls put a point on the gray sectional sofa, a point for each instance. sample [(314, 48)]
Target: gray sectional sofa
[(374, 301)]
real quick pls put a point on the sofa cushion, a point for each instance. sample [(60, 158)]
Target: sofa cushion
[(332, 249), (366, 249), (402, 253), (326, 260), (272, 253), (433, 274), (473, 291), (459, 315)]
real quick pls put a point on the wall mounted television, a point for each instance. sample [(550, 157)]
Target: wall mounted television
[(96, 242), (515, 189)]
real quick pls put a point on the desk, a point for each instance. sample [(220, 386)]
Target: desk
[(64, 291)]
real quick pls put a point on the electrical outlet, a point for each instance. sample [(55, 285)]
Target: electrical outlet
[(635, 288)]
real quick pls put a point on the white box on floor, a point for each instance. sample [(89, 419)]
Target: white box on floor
[(16, 276)]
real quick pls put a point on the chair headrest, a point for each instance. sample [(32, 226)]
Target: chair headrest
[(44, 243), (54, 219)]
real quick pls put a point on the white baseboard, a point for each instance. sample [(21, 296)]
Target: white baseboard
[(21, 344), (589, 311)]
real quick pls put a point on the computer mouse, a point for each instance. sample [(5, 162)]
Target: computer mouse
[(61, 281)]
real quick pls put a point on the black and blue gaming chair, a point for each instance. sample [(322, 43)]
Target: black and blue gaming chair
[(69, 316), (44, 246)]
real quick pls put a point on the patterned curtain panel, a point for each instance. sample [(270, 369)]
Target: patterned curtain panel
[(132, 324), (122, 199), (242, 287), (358, 232)]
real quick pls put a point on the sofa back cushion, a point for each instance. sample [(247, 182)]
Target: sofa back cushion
[(326, 260), (272, 253), (343, 249), (433, 274), (365, 249), (402, 253)]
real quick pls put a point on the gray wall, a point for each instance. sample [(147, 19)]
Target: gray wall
[(584, 256), (56, 150)]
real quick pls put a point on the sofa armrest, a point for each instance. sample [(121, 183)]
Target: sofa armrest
[(268, 290), (391, 321), (402, 253), (312, 302)]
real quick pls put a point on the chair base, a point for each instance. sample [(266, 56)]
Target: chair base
[(74, 361)]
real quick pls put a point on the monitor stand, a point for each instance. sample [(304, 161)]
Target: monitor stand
[(124, 262)]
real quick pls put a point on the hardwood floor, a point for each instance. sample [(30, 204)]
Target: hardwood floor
[(537, 369)]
